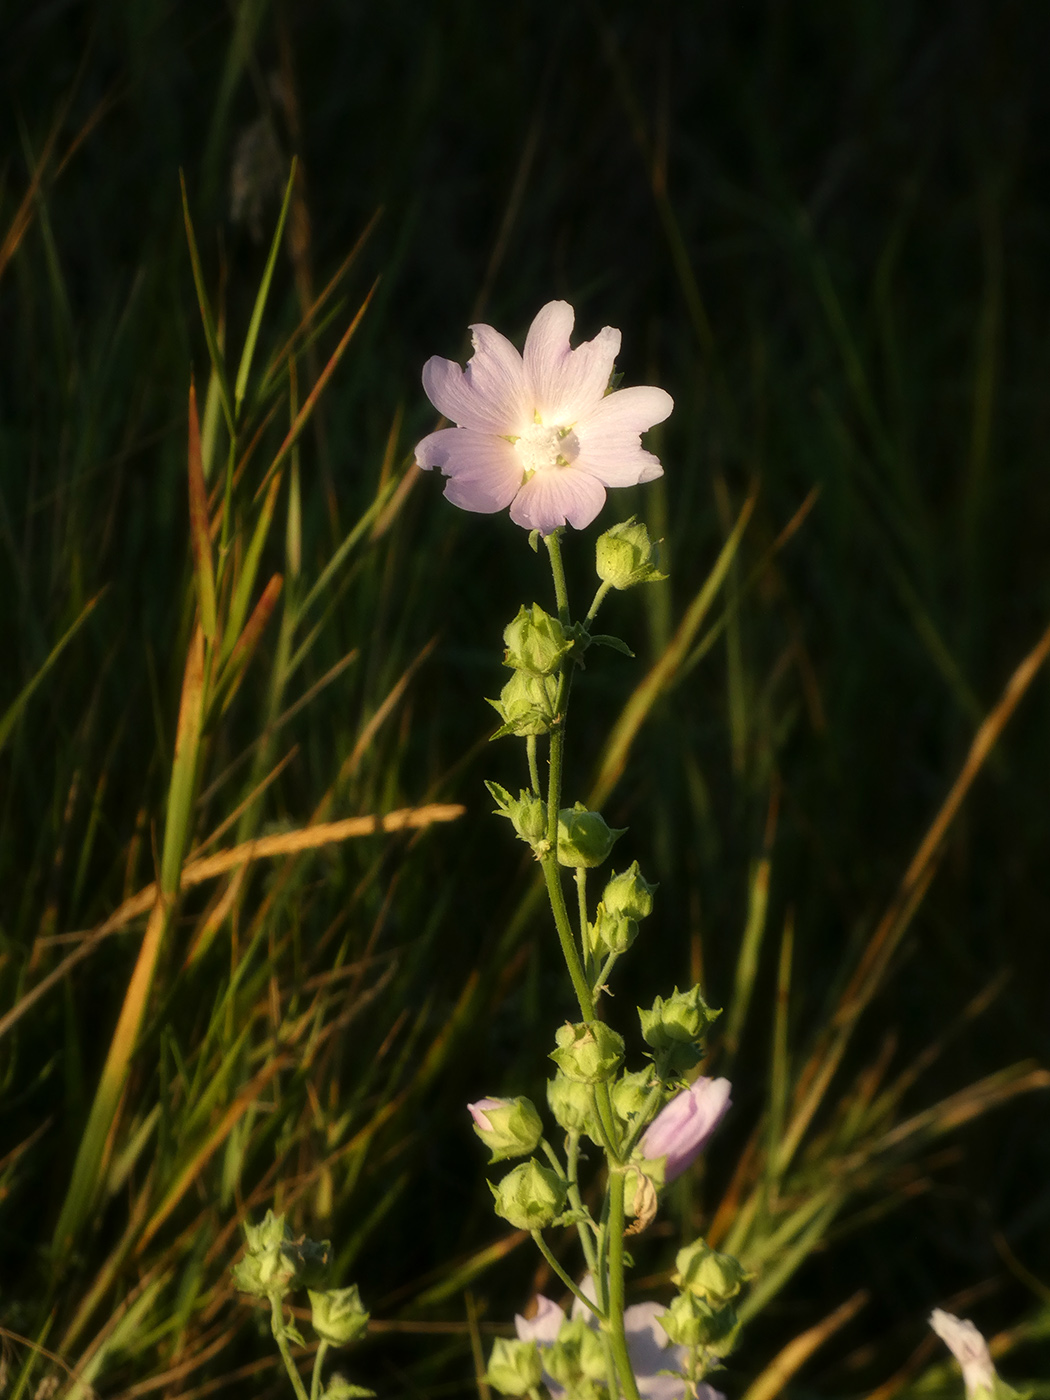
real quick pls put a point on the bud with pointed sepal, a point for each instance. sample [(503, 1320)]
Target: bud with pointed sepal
[(625, 556), (572, 1104), (514, 1367), (588, 1053), (507, 1127), (584, 839), (527, 705), (338, 1315), (527, 813), (530, 1197), (536, 642), (714, 1278)]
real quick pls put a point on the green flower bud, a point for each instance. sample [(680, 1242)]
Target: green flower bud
[(629, 894), (588, 1054), (610, 933), (625, 555), (338, 1315), (630, 1094), (507, 1127), (339, 1388), (572, 1104), (584, 840), (577, 1355), (536, 642), (712, 1277), (527, 814), (514, 1367), (691, 1322), (680, 1020), (526, 704), (530, 1197)]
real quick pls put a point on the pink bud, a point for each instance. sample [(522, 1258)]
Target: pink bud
[(478, 1110), (682, 1130)]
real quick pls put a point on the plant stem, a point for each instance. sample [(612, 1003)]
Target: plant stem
[(552, 874), (617, 1330), (315, 1381), (581, 906), (584, 1228), (541, 1245), (534, 772), (599, 599), (277, 1328)]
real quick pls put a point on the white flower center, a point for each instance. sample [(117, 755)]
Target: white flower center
[(541, 448)]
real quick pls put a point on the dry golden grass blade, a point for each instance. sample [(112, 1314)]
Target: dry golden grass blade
[(775, 1377), (825, 1060), (263, 848)]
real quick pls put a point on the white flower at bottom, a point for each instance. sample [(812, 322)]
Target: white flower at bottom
[(970, 1349), (538, 432)]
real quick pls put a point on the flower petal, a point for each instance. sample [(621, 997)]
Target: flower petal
[(564, 383), (610, 435), (618, 464), (543, 1326), (552, 498), (484, 469), (496, 373)]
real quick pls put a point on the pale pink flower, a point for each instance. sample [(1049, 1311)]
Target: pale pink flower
[(650, 1350), (539, 432), (970, 1349), (682, 1130)]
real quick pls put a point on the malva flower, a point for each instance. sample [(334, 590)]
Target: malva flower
[(970, 1349), (650, 1350), (539, 432), (682, 1129)]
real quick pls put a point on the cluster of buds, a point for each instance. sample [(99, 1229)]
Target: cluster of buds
[(703, 1315), (625, 556), (536, 647), (274, 1262), (626, 900)]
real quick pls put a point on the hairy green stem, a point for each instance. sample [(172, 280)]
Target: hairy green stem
[(534, 772), (541, 1245), (599, 599), (277, 1328), (581, 909), (618, 1332), (552, 874), (315, 1382)]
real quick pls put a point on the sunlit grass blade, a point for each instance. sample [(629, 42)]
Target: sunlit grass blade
[(200, 534), (252, 336), (211, 333)]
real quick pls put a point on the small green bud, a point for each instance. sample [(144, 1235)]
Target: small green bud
[(339, 1388), (630, 1094), (680, 1020), (507, 1127), (584, 840), (338, 1315), (515, 1367), (577, 1355), (610, 933), (572, 1104), (629, 894), (536, 642), (691, 1322), (527, 814), (526, 704), (588, 1054), (712, 1277), (530, 1197), (625, 555)]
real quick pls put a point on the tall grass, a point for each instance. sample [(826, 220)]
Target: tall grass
[(236, 623)]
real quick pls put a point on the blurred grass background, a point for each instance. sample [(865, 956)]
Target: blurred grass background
[(825, 230)]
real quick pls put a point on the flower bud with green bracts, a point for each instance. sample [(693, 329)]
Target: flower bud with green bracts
[(530, 1197), (536, 642), (507, 1127), (338, 1315), (625, 556), (584, 839), (588, 1054)]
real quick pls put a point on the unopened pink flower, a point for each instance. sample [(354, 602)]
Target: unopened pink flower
[(538, 432), (682, 1130), (477, 1111), (970, 1349)]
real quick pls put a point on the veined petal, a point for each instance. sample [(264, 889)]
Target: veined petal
[(484, 469), (627, 411), (468, 403), (618, 464), (497, 374), (553, 498), (564, 383)]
